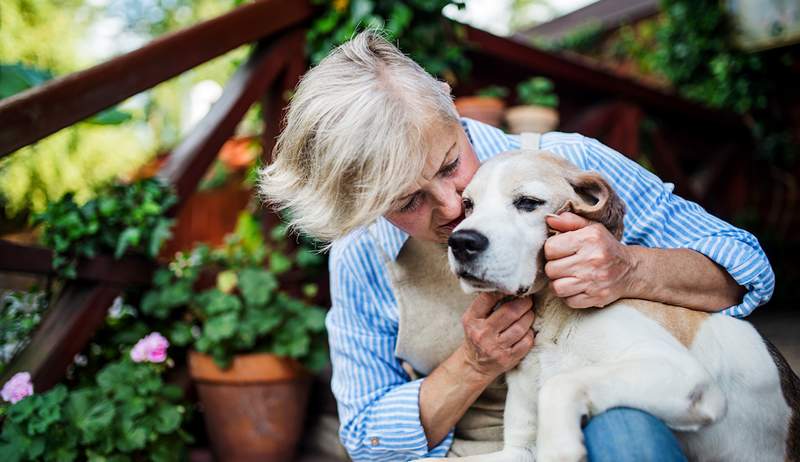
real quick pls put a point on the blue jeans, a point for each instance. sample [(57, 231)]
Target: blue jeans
[(627, 435)]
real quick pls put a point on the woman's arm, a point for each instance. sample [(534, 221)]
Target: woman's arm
[(494, 342), (603, 270)]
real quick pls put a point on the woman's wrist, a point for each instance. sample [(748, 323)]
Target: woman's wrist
[(461, 365)]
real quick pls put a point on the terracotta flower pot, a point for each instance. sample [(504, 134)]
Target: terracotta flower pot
[(481, 108), (254, 410), (537, 119)]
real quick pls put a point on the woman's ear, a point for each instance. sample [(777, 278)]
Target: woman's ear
[(598, 202)]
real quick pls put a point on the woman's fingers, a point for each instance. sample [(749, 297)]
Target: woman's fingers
[(516, 331), (567, 287), (508, 313)]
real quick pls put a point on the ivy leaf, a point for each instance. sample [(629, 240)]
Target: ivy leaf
[(160, 234), (129, 238)]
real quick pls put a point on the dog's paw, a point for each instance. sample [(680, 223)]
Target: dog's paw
[(565, 450)]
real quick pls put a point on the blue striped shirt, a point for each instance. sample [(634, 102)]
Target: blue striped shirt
[(379, 404)]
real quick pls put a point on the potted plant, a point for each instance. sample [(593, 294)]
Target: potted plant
[(487, 106), (251, 343), (538, 112), (126, 413)]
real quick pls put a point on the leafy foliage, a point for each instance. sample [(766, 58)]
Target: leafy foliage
[(537, 91), (242, 310), (699, 57), (127, 414), (20, 313), (417, 26), (122, 218), (493, 91)]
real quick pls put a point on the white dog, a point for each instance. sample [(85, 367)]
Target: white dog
[(728, 394)]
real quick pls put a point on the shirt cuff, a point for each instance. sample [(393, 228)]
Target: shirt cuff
[(748, 266), (393, 425)]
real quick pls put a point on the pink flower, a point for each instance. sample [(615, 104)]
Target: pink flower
[(151, 348), (17, 388)]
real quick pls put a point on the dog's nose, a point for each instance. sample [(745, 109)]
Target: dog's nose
[(467, 244)]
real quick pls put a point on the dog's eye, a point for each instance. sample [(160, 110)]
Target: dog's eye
[(527, 204), (467, 205)]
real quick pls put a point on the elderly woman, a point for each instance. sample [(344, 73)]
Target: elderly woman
[(374, 158)]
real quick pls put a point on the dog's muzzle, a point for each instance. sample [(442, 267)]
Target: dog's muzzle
[(467, 244)]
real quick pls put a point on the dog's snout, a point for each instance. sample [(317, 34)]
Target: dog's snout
[(466, 244)]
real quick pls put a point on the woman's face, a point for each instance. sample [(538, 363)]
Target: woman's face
[(432, 207)]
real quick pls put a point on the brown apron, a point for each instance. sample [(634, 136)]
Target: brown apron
[(431, 303)]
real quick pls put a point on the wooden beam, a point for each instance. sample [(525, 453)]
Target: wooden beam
[(275, 100), (189, 161), (127, 271), (30, 116), (67, 327)]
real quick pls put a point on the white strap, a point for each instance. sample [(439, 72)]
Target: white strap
[(530, 141)]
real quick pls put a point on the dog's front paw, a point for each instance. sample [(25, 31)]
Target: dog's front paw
[(564, 450)]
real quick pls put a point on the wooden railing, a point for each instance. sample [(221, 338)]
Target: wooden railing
[(274, 66)]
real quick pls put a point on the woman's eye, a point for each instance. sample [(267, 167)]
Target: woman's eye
[(527, 204), (451, 167), (412, 204)]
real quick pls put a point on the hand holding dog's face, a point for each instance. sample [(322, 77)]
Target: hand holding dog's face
[(586, 265)]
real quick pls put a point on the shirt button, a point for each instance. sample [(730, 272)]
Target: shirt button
[(374, 441)]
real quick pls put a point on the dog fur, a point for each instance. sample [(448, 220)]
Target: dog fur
[(727, 393)]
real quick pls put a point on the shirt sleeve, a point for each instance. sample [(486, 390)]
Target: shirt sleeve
[(656, 217), (378, 404)]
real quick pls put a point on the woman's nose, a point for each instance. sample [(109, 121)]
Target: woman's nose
[(448, 200)]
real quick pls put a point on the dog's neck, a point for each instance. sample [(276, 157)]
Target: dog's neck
[(553, 316)]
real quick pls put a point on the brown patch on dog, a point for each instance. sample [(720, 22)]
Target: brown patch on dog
[(682, 323), (790, 386)]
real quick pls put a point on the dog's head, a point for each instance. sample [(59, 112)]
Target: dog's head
[(499, 246)]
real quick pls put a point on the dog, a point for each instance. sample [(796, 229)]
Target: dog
[(726, 391)]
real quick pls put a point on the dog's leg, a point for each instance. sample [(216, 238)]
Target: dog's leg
[(681, 393)]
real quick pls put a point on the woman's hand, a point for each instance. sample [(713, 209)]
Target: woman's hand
[(495, 341), (586, 265)]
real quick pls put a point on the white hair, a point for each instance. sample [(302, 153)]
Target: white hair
[(355, 137)]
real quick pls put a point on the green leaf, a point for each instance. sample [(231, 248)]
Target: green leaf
[(279, 263), (220, 327), (111, 116), (15, 78), (160, 234), (257, 286), (129, 238), (214, 302), (169, 419), (180, 334)]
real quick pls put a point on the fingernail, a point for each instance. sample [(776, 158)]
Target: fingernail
[(552, 215)]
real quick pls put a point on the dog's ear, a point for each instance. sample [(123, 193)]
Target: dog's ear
[(598, 202)]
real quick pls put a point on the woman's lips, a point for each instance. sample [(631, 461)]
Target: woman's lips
[(449, 227)]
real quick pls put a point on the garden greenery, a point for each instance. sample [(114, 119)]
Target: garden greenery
[(20, 313), (123, 217), (417, 26), (225, 301), (493, 91), (537, 91), (128, 414)]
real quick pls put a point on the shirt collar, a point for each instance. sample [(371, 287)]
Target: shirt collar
[(485, 140)]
